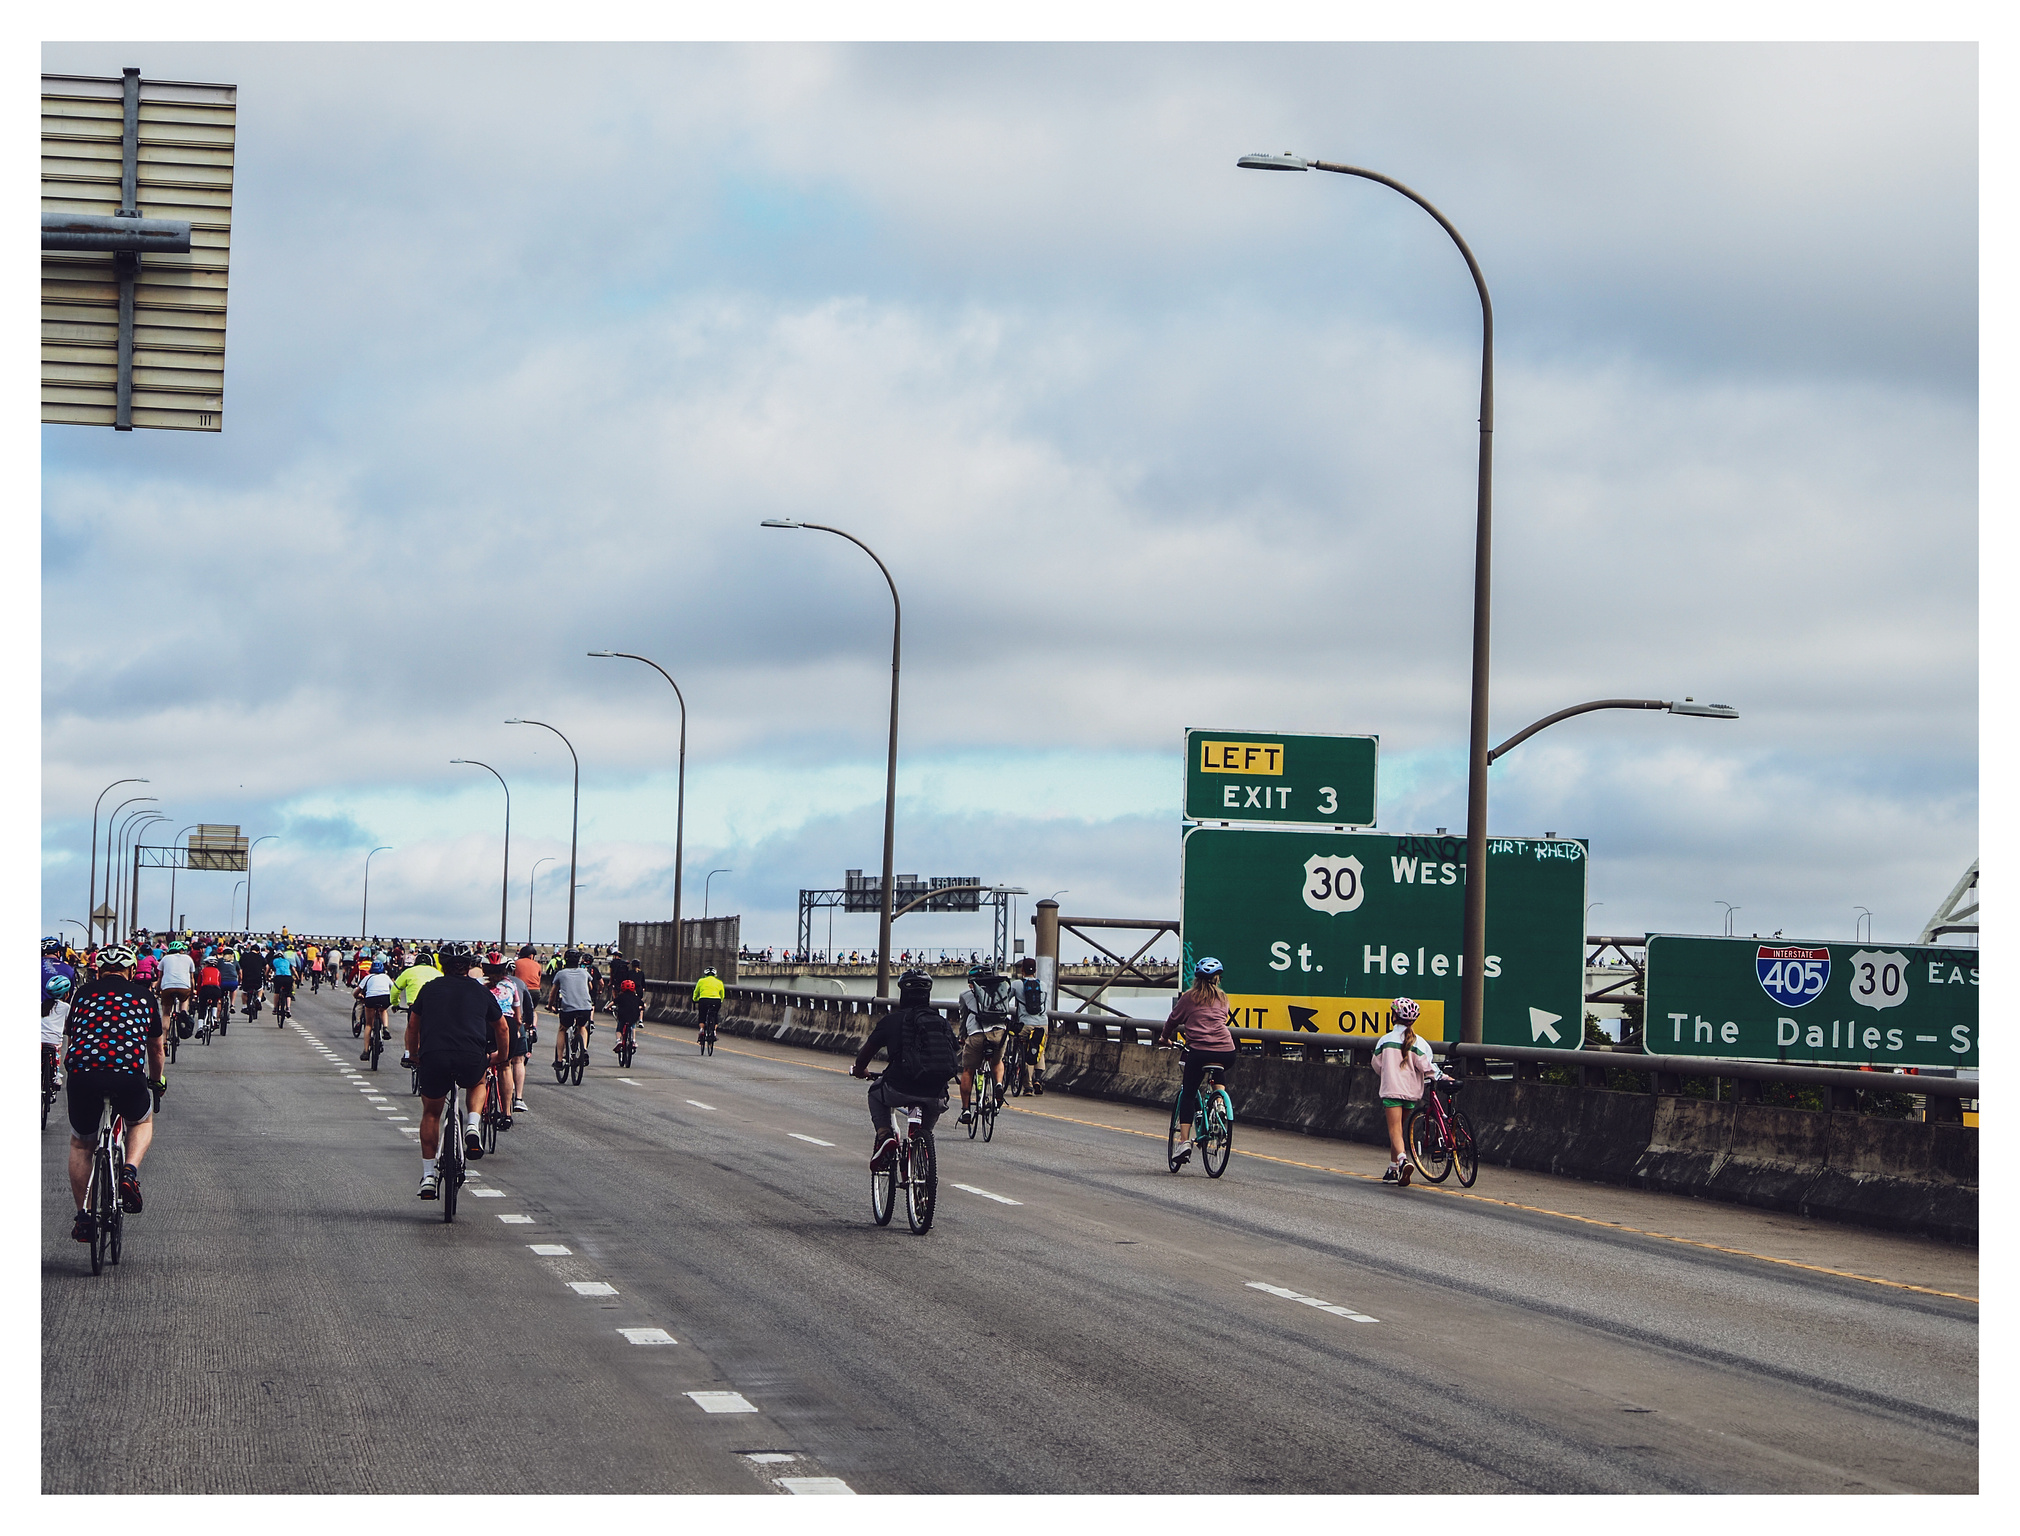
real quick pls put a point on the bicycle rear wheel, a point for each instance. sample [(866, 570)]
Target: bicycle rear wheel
[(884, 1190), (172, 1042), (95, 1203), (1428, 1150), (709, 1049), (922, 1193), (986, 1112), (490, 1126), (1218, 1144), (578, 1063), (1464, 1152), (449, 1166), (378, 1046)]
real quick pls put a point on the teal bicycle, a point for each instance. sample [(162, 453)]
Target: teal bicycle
[(1212, 1126)]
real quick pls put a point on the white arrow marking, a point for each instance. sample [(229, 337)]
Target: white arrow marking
[(1539, 1025)]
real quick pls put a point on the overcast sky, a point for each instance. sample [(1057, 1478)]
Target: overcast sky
[(525, 340)]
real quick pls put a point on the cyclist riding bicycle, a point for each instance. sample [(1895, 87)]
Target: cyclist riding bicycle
[(114, 1054), (455, 1034), (1032, 1020), (1403, 1063), (1200, 1016), (921, 1055), (178, 979), (227, 980), (407, 982), (628, 1003), (708, 995), (570, 998), (210, 990), (281, 974), (517, 1002), (987, 1011), (374, 992), (55, 1010)]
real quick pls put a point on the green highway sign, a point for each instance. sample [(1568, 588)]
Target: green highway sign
[(1319, 930), (1901, 1005), (1267, 776)]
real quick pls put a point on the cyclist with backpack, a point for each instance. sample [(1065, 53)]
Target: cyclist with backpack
[(918, 1043), (988, 1009), (1032, 1019)]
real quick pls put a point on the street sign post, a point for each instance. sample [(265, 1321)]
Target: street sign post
[(1319, 930), (1879, 1005), (1269, 777)]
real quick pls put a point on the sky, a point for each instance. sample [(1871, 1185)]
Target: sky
[(526, 340)]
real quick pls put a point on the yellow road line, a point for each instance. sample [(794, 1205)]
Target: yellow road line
[(1453, 1194)]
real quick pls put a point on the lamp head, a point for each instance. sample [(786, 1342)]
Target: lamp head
[(1283, 162), (780, 522), (515, 722), (603, 653), (1708, 711)]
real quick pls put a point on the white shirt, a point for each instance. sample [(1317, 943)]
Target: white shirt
[(178, 972), (52, 1023), (378, 984)]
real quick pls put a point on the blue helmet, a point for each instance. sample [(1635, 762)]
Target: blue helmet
[(1207, 967), (56, 986)]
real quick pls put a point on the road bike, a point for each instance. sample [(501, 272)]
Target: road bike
[(911, 1165), (1440, 1136), (627, 1043), (1212, 1126), (704, 1036), (252, 1005), (51, 1084), (449, 1160), (206, 1022), (283, 1010), (493, 1118), (575, 1060), (101, 1195), (376, 1045)]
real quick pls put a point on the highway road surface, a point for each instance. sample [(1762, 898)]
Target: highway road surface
[(667, 1281)]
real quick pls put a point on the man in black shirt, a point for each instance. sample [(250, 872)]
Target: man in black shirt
[(919, 1043), (455, 1030)]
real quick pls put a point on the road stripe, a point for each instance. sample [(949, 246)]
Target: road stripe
[(986, 1195), (488, 1194), (829, 1485), (796, 1136), (769, 1458), (592, 1287), (647, 1336), (697, 1103), (631, 1080), (551, 1250), (723, 1402), (1312, 1301), (517, 1221)]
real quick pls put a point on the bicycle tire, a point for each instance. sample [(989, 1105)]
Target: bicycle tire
[(94, 1198), (449, 1166), (1172, 1144), (172, 1043), (578, 1064), (923, 1191), (489, 1136), (1465, 1151), (974, 1120), (117, 1242), (561, 1070), (1010, 1065), (48, 1098), (987, 1115), (710, 1048), (1218, 1146), (884, 1190), (378, 1048), (1420, 1136)]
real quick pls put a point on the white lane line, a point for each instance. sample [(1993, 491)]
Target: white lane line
[(488, 1194), (592, 1287), (796, 1136), (551, 1250), (1312, 1301), (410, 1130), (517, 1221), (723, 1402), (631, 1080), (830, 1485), (697, 1103), (769, 1458), (647, 1336), (988, 1195)]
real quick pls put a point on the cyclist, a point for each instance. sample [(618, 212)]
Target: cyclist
[(114, 1033), (374, 992), (55, 1009), (527, 968), (1032, 1020), (147, 969), (516, 999), (178, 979), (315, 959), (628, 1003), (918, 1042), (455, 1032), (1200, 1017), (570, 999), (987, 1010), (209, 992), (407, 983), (708, 993), (252, 976), (1403, 1061), (281, 972)]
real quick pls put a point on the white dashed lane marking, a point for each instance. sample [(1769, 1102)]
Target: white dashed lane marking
[(551, 1250), (697, 1103), (769, 1458), (814, 1485), (647, 1336), (488, 1194), (723, 1402), (1312, 1301), (592, 1287), (986, 1195), (517, 1221), (796, 1136), (631, 1080)]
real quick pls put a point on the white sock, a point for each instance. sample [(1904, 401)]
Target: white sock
[(427, 1167), (476, 1122)]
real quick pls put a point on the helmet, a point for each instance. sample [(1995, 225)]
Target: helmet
[(706, 970), (56, 986), (915, 985), (616, 954), (1404, 1010), (1207, 967), (115, 957), (978, 970), (178, 947), (51, 942), (378, 967), (494, 958)]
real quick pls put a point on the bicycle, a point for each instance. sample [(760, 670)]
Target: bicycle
[(101, 1195), (984, 1117), (912, 1166), (206, 1022), (1020, 1071), (380, 1035), (283, 1011), (575, 1058), (494, 1112), (627, 1044), (1440, 1136), (704, 1035), (51, 1084), (449, 1162), (1212, 1125), (252, 1006)]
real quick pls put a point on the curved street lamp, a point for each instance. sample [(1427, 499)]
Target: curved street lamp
[(680, 799), (704, 887), (91, 897), (1473, 980), (110, 825), (174, 870), (1674, 706), (574, 818), (130, 901), (115, 875), (1730, 908), (265, 837), (529, 893), (234, 898), (365, 908), (505, 879), (891, 758)]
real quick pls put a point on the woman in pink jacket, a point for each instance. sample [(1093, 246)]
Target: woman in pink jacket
[(1200, 1015), (1403, 1063)]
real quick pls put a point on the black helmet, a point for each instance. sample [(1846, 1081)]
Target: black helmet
[(914, 987)]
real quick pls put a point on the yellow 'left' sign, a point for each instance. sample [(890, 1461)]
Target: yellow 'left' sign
[(1245, 757)]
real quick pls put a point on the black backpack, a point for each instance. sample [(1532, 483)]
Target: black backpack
[(1034, 995), (926, 1057)]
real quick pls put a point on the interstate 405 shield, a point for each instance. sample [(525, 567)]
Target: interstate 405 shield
[(1901, 1005), (1319, 930)]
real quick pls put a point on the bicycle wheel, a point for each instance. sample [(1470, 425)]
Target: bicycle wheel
[(709, 1049), (1218, 1144), (48, 1098), (1012, 1061), (922, 1193), (985, 1111), (884, 1190), (94, 1202), (578, 1063), (1464, 1152), (172, 1042), (1428, 1150), (974, 1119), (449, 1166), (489, 1136), (117, 1240), (378, 1047)]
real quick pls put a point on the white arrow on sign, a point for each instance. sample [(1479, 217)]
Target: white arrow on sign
[(1539, 1026)]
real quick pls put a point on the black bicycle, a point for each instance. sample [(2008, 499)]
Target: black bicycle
[(575, 1061), (493, 1119), (51, 1084), (101, 1195), (704, 1035), (1440, 1136), (1020, 1067), (627, 1043), (376, 1045), (449, 1163), (282, 1010), (911, 1166)]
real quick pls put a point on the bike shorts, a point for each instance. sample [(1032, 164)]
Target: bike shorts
[(709, 1009), (1196, 1063), (984, 1045), (570, 1017), (209, 995), (284, 986), (173, 998), (128, 1092), (1401, 1103), (438, 1072)]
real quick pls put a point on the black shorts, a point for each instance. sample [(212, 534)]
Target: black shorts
[(209, 995), (570, 1017), (438, 1072), (284, 986), (128, 1092)]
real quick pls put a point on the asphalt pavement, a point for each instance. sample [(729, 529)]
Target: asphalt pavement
[(667, 1281)]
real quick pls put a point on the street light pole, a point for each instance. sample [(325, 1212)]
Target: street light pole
[(1472, 975), (680, 802), (174, 870), (365, 907), (529, 893), (111, 823), (574, 819), (505, 879), (131, 901), (891, 757), (115, 873), (1729, 910), (267, 837), (1674, 706), (704, 887), (91, 898)]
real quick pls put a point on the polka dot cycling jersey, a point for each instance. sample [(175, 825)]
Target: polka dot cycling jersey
[(111, 1022)]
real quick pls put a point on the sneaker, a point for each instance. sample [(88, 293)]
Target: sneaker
[(1037, 1087), (1402, 1173), (84, 1228), (129, 1189), (365, 1054), (1184, 1157), (967, 1116), (1389, 1174), (427, 1189), (884, 1151), (518, 1106), (999, 1095), (504, 1122), (473, 1144)]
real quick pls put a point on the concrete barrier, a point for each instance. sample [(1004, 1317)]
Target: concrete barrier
[(1897, 1175)]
